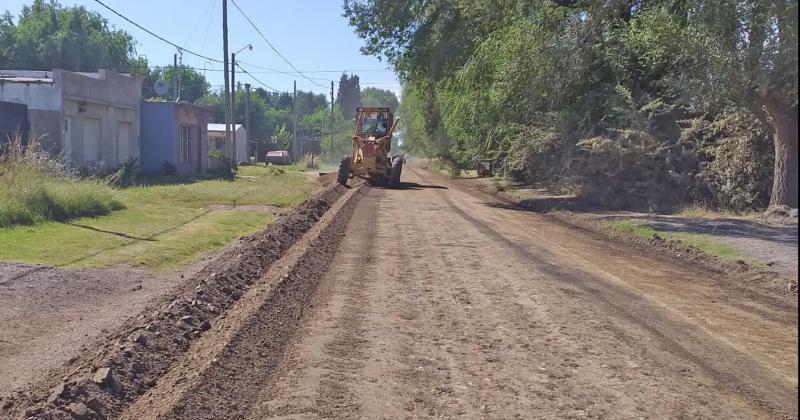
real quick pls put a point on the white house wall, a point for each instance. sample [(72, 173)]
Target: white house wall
[(93, 118), (44, 107)]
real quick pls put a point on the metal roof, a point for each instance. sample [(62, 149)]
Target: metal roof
[(220, 127), (26, 80)]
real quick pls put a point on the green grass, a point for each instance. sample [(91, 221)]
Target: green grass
[(702, 212), (705, 243), (161, 227), (29, 196)]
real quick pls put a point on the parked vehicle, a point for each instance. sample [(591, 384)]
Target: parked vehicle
[(278, 157)]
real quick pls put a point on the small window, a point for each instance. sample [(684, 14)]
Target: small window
[(185, 155)]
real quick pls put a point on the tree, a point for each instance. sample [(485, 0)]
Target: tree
[(374, 97), (193, 85), (282, 137), (553, 90), (758, 40), (349, 95), (49, 35)]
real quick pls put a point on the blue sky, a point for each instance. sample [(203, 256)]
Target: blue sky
[(311, 34)]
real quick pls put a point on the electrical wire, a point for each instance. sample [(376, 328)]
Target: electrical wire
[(270, 44), (156, 35), (258, 81)]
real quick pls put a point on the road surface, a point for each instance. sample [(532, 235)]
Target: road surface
[(442, 302)]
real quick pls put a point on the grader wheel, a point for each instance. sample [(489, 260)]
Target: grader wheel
[(344, 170), (397, 169)]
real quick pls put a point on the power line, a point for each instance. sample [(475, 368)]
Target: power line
[(272, 46), (270, 70), (156, 35), (254, 78), (251, 74)]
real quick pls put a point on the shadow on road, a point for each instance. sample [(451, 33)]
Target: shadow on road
[(415, 186)]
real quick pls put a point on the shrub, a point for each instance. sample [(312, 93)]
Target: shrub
[(35, 187), (736, 161), (126, 174), (311, 161)]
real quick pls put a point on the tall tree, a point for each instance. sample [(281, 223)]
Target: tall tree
[(349, 95), (375, 97), (48, 35), (536, 83)]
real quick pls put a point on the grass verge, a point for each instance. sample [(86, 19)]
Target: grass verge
[(161, 226), (705, 243), (35, 187)]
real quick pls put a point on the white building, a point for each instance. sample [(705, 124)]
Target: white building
[(93, 118), (216, 143)]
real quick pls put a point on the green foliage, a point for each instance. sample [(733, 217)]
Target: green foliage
[(282, 137), (126, 173), (349, 95), (375, 97), (736, 170), (162, 226), (48, 35), (193, 85), (593, 95), (35, 187)]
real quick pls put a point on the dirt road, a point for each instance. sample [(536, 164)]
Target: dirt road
[(441, 302)]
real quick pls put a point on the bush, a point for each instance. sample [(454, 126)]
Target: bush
[(126, 174), (736, 161), (35, 187), (311, 161)]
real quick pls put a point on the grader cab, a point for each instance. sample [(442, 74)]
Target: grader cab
[(372, 143)]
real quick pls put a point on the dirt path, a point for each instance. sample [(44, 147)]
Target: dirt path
[(49, 316), (436, 301), (439, 303)]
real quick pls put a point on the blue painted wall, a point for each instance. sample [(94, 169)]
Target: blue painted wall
[(157, 135)]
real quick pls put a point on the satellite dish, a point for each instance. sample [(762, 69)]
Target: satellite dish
[(160, 87)]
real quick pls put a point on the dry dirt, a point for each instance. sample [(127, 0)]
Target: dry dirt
[(435, 301)]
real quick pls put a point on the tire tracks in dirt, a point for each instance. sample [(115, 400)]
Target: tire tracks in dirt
[(683, 340)]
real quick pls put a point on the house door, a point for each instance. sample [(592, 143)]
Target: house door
[(91, 141), (123, 142)]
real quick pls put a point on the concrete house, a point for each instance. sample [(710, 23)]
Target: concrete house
[(93, 118), (174, 134), (216, 142), (13, 121)]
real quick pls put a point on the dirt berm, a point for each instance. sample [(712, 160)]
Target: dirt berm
[(134, 357)]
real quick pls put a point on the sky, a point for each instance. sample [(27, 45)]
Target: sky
[(311, 34)]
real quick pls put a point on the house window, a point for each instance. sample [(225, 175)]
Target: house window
[(220, 145), (185, 152)]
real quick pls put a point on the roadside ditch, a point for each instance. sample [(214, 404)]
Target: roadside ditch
[(133, 358)]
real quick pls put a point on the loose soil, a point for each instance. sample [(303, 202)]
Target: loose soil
[(50, 315), (434, 300), (145, 346), (772, 240)]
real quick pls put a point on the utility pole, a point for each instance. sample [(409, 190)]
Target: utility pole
[(233, 104), (233, 96), (247, 120), (175, 77), (332, 149), (225, 71), (294, 122)]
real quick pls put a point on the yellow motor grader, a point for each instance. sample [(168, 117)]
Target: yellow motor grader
[(372, 143)]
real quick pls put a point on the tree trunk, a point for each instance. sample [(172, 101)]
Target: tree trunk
[(784, 186)]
